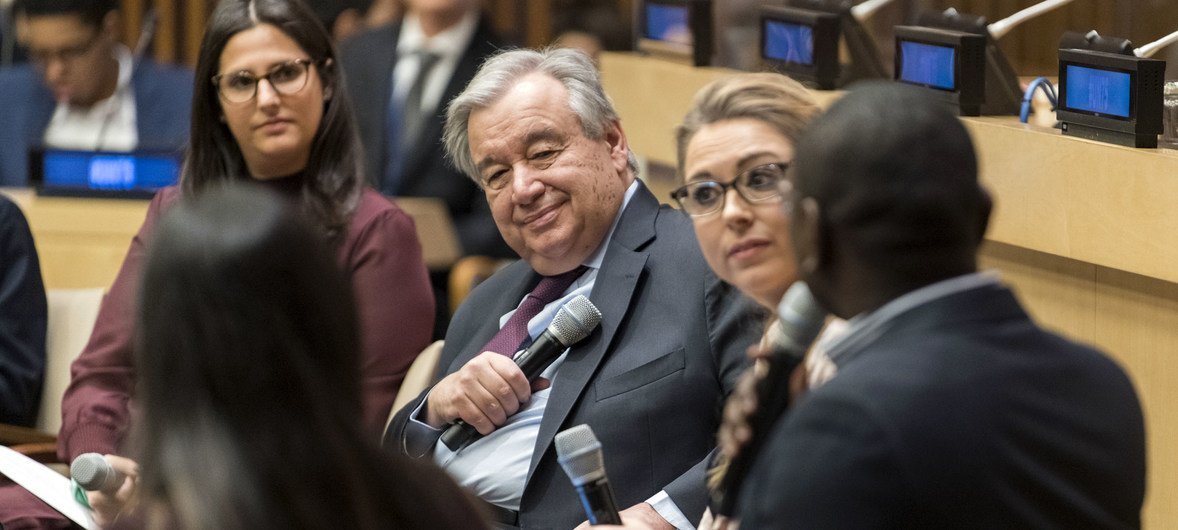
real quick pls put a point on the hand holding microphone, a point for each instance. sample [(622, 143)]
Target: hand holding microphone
[(109, 481), (491, 386)]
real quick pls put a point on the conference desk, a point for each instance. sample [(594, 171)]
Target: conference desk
[(1086, 233), (81, 241)]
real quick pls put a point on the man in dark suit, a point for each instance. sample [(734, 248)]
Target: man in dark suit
[(950, 407), (23, 315), (537, 131), (84, 90), (401, 76)]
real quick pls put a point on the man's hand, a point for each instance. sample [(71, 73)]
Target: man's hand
[(107, 507), (483, 393), (641, 516)]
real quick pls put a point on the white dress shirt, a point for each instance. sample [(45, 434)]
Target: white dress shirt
[(107, 125)]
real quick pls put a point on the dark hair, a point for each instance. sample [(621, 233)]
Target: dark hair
[(92, 12), (332, 181), (249, 373), (896, 176)]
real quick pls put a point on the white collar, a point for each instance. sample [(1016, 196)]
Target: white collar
[(451, 42)]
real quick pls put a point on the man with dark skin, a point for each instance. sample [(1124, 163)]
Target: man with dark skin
[(950, 408)]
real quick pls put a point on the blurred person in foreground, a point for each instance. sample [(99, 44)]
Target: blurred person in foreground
[(84, 90), (24, 316), (950, 408), (271, 108), (249, 369), (537, 132)]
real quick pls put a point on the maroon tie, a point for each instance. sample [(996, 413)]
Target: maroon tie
[(512, 335)]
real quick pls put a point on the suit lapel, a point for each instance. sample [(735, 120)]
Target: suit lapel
[(519, 279), (613, 290)]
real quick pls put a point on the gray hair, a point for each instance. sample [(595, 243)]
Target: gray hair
[(500, 72)]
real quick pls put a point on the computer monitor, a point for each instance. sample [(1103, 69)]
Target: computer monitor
[(1110, 97), (677, 29), (863, 59), (803, 44), (949, 65), (1004, 94), (132, 175)]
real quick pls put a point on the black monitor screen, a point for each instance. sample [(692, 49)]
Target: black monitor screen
[(793, 43), (1098, 91), (668, 23), (928, 64), (82, 171)]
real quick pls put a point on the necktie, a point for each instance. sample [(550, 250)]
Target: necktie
[(405, 122), (512, 335)]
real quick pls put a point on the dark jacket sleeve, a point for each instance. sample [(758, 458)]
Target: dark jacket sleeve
[(23, 313)]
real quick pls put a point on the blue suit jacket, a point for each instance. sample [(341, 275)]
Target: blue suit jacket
[(650, 381), (163, 105), (963, 414)]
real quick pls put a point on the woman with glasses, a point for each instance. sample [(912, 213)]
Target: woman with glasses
[(269, 106), (734, 147)]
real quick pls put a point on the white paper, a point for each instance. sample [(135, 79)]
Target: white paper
[(46, 484)]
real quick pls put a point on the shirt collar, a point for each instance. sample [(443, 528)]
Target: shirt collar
[(451, 42), (866, 327)]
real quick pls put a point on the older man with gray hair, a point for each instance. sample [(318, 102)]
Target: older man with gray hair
[(536, 131)]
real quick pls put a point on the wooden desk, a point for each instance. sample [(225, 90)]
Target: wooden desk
[(1087, 233), (82, 242)]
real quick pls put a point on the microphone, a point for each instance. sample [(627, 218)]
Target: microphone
[(579, 453), (93, 473), (801, 319), (575, 320)]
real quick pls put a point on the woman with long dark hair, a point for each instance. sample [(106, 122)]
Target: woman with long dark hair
[(249, 383), (269, 107)]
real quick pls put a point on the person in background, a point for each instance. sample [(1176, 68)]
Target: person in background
[(537, 132), (23, 315), (402, 76), (950, 408), (249, 362), (270, 107), (83, 90)]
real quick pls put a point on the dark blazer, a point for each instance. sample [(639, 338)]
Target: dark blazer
[(368, 61), (963, 414), (163, 105), (650, 381), (23, 314)]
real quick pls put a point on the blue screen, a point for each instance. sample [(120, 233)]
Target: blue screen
[(108, 171), (667, 23), (792, 43), (1098, 91), (927, 64)]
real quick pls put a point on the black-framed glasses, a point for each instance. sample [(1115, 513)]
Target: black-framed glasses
[(67, 55), (755, 185), (286, 78)]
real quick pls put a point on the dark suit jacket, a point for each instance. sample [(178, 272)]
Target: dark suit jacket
[(163, 105), (23, 314), (650, 381), (964, 414), (368, 61)]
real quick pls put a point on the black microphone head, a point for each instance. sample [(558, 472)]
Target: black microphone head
[(91, 471), (576, 319), (801, 318), (579, 453)]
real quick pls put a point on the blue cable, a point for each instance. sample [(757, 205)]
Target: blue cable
[(1048, 90)]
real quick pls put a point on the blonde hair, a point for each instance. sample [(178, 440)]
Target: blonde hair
[(774, 99)]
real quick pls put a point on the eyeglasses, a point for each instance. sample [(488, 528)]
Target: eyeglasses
[(287, 78), (755, 185), (67, 55)]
